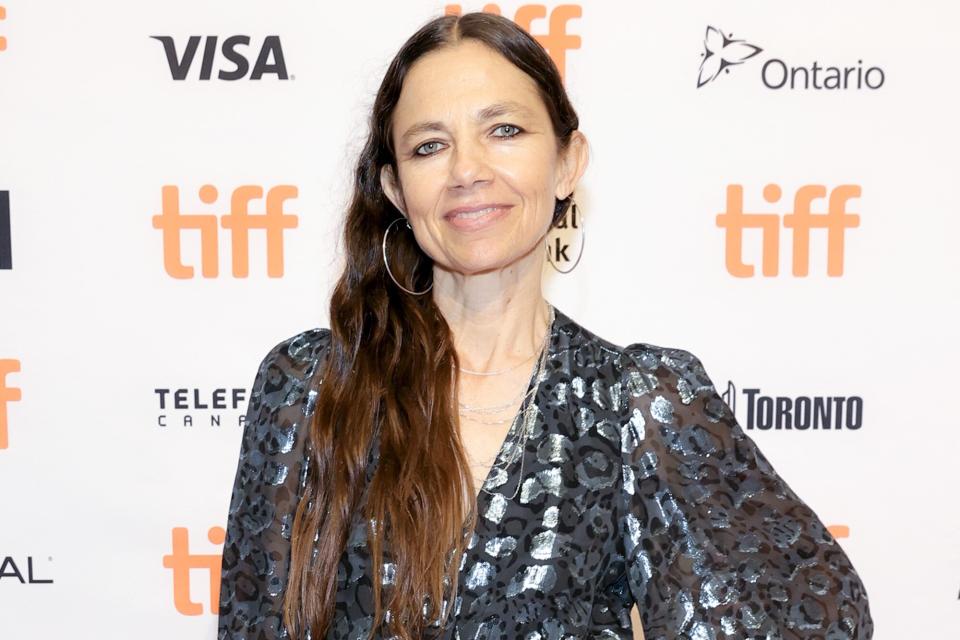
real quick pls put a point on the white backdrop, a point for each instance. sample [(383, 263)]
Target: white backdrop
[(110, 521)]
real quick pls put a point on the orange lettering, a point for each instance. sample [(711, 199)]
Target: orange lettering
[(7, 394), (836, 221), (556, 41), (181, 561), (238, 221), (171, 223), (734, 220)]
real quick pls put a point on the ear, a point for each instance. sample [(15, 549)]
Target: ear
[(391, 188), (573, 162)]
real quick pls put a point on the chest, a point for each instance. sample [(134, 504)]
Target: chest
[(547, 529)]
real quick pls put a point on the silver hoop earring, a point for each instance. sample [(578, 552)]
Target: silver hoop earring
[(583, 240), (386, 263)]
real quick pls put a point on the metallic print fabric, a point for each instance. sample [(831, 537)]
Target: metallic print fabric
[(638, 486)]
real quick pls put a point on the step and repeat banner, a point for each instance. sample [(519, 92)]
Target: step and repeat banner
[(772, 187)]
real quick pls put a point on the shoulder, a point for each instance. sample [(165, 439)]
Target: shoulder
[(298, 351), (286, 369), (642, 367), (667, 368)]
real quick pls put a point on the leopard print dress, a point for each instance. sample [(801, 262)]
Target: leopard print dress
[(638, 486)]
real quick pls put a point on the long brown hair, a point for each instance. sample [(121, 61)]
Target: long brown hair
[(390, 375)]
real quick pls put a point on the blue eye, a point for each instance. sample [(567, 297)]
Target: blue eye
[(511, 126), (425, 144)]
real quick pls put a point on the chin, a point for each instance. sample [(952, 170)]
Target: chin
[(489, 263)]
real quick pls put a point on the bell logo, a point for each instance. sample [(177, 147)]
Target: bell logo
[(239, 221), (181, 561), (836, 221), (556, 41), (7, 394)]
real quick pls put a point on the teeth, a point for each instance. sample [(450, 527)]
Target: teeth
[(476, 214)]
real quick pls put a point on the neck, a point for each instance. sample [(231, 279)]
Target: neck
[(497, 317)]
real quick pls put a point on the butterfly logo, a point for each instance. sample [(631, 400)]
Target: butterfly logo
[(720, 53)]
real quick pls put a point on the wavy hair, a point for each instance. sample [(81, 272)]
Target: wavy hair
[(390, 376)]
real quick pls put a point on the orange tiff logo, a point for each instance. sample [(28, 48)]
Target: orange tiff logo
[(3, 16), (839, 531), (239, 221), (556, 41), (801, 220), (181, 561), (7, 394)]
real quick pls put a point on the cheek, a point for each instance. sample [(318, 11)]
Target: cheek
[(529, 173), (536, 186), (423, 187)]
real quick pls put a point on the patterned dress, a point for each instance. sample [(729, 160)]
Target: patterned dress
[(638, 486)]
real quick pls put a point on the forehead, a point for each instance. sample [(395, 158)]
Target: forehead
[(460, 80)]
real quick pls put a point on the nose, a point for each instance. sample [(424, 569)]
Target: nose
[(468, 165)]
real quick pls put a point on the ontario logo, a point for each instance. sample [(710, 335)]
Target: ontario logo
[(722, 52)]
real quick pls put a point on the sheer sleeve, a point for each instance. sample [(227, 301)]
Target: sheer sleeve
[(717, 545), (267, 486)]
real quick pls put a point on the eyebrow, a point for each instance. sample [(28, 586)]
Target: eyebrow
[(492, 111)]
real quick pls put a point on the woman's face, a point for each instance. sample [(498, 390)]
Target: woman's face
[(477, 159)]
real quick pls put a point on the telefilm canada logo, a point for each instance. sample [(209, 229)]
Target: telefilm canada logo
[(799, 413), (722, 52), (232, 58), (187, 407)]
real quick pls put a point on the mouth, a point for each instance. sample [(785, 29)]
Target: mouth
[(476, 217)]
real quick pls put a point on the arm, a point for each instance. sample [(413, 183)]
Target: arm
[(266, 489), (717, 544)]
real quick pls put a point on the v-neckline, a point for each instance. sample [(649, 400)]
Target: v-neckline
[(482, 500)]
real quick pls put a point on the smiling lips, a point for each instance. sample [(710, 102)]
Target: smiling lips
[(470, 218)]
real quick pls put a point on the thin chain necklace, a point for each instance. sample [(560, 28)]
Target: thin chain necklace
[(499, 371), (483, 410), (522, 425), (466, 409), (493, 408), (518, 444)]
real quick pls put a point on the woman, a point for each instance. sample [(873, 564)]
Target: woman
[(456, 458)]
